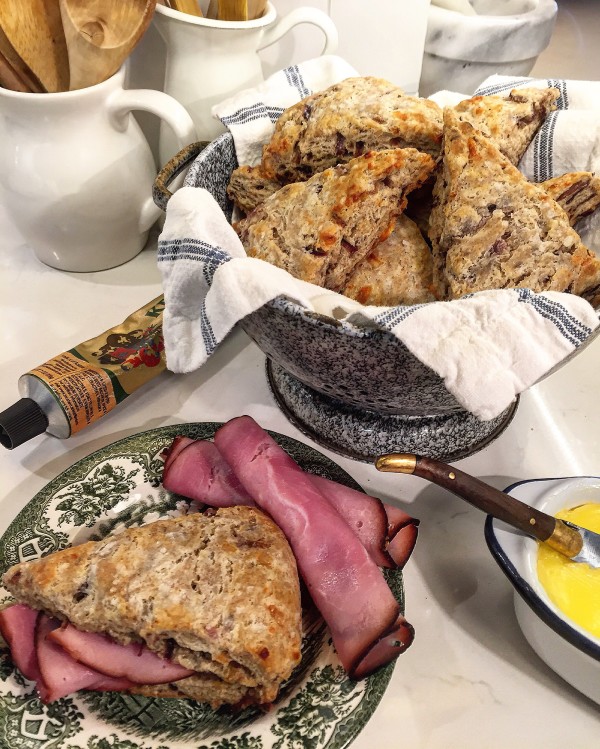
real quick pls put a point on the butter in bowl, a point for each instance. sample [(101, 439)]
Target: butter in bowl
[(556, 634)]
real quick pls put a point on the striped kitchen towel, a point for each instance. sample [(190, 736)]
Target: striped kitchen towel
[(488, 347)]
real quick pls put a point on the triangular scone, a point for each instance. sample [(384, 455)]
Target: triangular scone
[(217, 593), (512, 121), (492, 229), (577, 193), (319, 230), (248, 187), (346, 120), (397, 271)]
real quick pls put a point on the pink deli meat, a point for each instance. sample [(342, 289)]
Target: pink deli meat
[(388, 533), (346, 585), (62, 659), (61, 674), (17, 624), (198, 471), (134, 662)]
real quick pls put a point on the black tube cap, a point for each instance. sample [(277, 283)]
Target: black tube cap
[(21, 422)]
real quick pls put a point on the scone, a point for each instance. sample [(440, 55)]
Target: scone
[(319, 230), (397, 271), (334, 126), (217, 594), (510, 122), (492, 229), (248, 187), (577, 193)]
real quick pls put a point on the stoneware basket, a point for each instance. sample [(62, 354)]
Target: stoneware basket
[(359, 392)]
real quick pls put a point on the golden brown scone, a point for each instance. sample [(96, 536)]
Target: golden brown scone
[(216, 593), (492, 229), (512, 121), (346, 120), (248, 187), (321, 229), (577, 193), (397, 271)]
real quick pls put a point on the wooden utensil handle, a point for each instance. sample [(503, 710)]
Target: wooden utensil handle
[(476, 492)]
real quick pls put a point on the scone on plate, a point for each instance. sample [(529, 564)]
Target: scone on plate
[(217, 594), (512, 121), (492, 229), (319, 230), (397, 271)]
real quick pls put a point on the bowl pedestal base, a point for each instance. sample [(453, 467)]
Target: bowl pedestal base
[(363, 435)]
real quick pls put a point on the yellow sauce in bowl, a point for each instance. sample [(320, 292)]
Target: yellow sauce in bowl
[(573, 587)]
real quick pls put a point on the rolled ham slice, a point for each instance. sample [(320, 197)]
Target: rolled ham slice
[(388, 533), (17, 624), (62, 675), (134, 663), (179, 442), (345, 583), (198, 471)]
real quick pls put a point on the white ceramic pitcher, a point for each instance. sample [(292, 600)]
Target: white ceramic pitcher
[(208, 60), (76, 172)]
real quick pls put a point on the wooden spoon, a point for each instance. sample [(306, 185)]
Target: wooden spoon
[(27, 80), (100, 36), (9, 78), (34, 30), (190, 7)]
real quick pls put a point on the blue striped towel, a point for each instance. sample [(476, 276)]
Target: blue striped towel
[(488, 347)]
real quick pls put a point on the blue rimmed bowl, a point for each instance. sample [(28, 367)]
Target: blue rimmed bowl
[(568, 649)]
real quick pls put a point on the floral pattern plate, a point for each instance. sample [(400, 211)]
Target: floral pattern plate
[(109, 490)]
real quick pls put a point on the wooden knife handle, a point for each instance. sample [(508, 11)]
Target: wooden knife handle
[(476, 492)]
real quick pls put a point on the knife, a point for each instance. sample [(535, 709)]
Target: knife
[(579, 544)]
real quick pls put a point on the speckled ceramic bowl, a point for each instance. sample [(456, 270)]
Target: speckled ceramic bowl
[(359, 392), (567, 648)]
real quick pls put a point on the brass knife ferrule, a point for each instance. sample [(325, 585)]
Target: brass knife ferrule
[(564, 539), (397, 463)]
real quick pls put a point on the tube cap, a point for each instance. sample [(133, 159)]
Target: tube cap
[(21, 422)]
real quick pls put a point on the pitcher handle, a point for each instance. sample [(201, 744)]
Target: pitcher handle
[(122, 102), (160, 192), (303, 15)]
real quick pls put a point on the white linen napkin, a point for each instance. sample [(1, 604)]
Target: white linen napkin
[(488, 347)]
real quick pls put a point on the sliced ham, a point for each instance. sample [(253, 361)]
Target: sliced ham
[(134, 662), (388, 533), (198, 471), (345, 583), (62, 675), (179, 442), (17, 624), (364, 514)]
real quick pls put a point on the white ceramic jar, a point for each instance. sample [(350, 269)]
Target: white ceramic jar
[(502, 37), (76, 173), (209, 60)]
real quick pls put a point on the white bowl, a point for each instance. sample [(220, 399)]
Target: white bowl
[(567, 648), (505, 37)]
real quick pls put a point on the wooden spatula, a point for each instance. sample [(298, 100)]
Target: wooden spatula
[(101, 34), (34, 30)]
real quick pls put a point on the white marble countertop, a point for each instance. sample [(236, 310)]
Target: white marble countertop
[(470, 680)]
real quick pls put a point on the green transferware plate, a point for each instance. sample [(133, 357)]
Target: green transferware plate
[(119, 486)]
